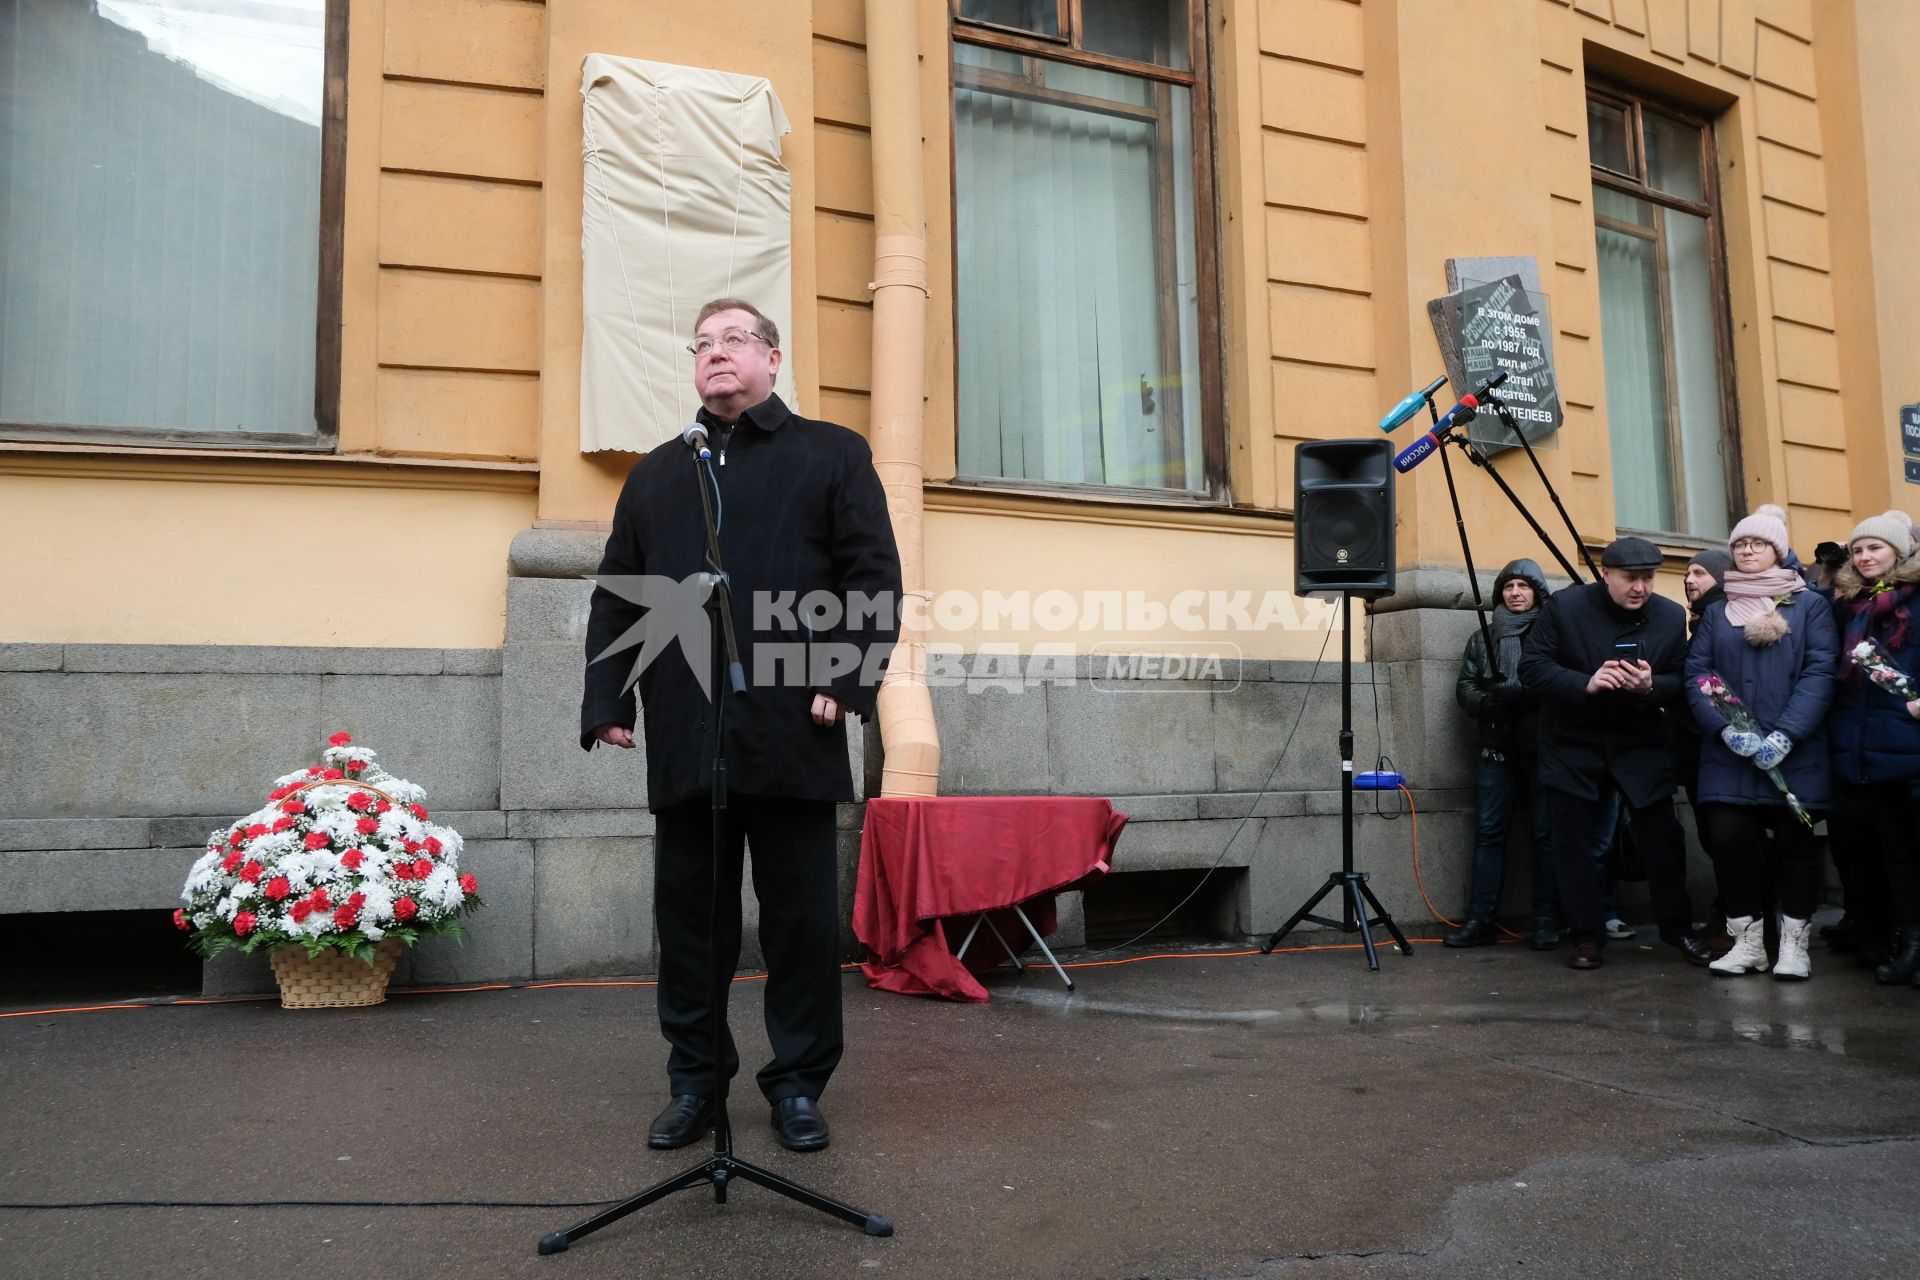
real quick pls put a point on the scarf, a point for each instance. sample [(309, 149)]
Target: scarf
[(1882, 612), (1509, 630), (1751, 596)]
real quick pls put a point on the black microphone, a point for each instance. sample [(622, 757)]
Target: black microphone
[(1411, 405), (696, 439), (1469, 406)]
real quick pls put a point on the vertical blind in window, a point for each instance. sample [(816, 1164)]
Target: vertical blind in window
[(159, 213)]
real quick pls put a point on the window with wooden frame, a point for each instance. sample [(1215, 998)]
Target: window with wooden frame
[(1663, 312), (1087, 320), (170, 221)]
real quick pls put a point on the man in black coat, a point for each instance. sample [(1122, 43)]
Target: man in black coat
[(815, 576), (1605, 659)]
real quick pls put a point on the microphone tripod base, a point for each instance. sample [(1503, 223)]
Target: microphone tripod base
[(717, 1170)]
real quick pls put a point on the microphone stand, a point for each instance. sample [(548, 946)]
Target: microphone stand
[(1500, 407), (722, 1166), (1466, 553), (1479, 459)]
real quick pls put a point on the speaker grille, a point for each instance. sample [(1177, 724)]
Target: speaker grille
[(1343, 517)]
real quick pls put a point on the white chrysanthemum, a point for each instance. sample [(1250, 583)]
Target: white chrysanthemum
[(340, 825), (338, 757), (442, 888), (450, 842), (378, 902)]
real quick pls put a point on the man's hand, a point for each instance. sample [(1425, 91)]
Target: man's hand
[(826, 712), (1609, 676), (1636, 677), (614, 735)]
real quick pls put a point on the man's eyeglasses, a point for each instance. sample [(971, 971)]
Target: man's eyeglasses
[(731, 339)]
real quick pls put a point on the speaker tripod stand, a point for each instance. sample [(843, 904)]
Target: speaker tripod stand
[(1361, 912)]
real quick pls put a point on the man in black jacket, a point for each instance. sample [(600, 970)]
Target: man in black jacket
[(1605, 660), (815, 576)]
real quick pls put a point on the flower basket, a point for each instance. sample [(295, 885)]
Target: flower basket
[(333, 875), (333, 979)]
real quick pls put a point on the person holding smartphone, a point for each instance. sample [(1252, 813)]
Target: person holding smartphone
[(1774, 645), (1605, 660)]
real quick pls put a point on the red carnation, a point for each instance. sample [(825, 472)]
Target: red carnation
[(317, 840), (356, 899), (243, 923), (279, 793), (433, 845), (352, 859), (346, 916), (252, 872), (339, 739), (320, 900), (403, 909), (355, 766), (301, 910), (278, 888), (382, 805), (180, 916), (332, 775), (315, 771), (294, 806), (282, 823), (367, 826), (418, 810), (422, 869), (231, 861), (468, 885), (359, 801), (257, 830), (403, 871), (236, 838)]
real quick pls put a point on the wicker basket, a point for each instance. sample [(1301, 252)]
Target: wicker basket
[(333, 979)]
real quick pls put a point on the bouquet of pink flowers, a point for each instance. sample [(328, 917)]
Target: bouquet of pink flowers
[(1728, 704), (1878, 668)]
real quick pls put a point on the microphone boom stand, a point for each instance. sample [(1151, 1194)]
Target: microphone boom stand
[(1506, 416), (722, 1166)]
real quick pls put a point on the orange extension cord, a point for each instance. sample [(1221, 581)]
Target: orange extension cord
[(175, 1001)]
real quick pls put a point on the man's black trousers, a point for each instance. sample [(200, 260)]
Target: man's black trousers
[(1663, 850), (796, 878)]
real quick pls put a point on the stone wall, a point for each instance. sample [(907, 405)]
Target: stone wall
[(119, 759)]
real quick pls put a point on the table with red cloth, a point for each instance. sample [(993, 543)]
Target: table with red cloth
[(923, 861)]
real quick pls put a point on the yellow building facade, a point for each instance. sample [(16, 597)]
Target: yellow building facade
[(1348, 150)]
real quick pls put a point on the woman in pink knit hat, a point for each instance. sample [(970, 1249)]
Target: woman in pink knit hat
[(1773, 644)]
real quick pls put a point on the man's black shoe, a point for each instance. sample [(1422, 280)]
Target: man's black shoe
[(1474, 933), (1546, 935), (799, 1124), (1586, 955), (687, 1117), (1694, 947)]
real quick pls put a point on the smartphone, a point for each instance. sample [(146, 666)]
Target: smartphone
[(1627, 651)]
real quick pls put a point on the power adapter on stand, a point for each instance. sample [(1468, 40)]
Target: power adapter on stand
[(1379, 780)]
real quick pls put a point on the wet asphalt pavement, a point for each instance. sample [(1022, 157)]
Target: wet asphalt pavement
[(1457, 1114)]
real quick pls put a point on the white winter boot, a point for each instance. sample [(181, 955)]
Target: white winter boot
[(1749, 953), (1793, 964)]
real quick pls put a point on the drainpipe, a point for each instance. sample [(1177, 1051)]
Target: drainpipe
[(907, 733)]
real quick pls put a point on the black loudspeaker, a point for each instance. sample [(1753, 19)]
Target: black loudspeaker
[(1343, 517)]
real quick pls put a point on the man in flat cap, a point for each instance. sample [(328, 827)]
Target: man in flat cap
[(1605, 659)]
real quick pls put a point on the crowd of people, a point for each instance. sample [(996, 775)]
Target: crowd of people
[(1782, 698)]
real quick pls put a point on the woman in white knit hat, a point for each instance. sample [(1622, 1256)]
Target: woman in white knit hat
[(1773, 643), (1875, 733)]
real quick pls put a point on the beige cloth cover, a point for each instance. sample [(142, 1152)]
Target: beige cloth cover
[(685, 201)]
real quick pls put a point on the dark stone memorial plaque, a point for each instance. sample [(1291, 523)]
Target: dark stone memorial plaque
[(1500, 324)]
